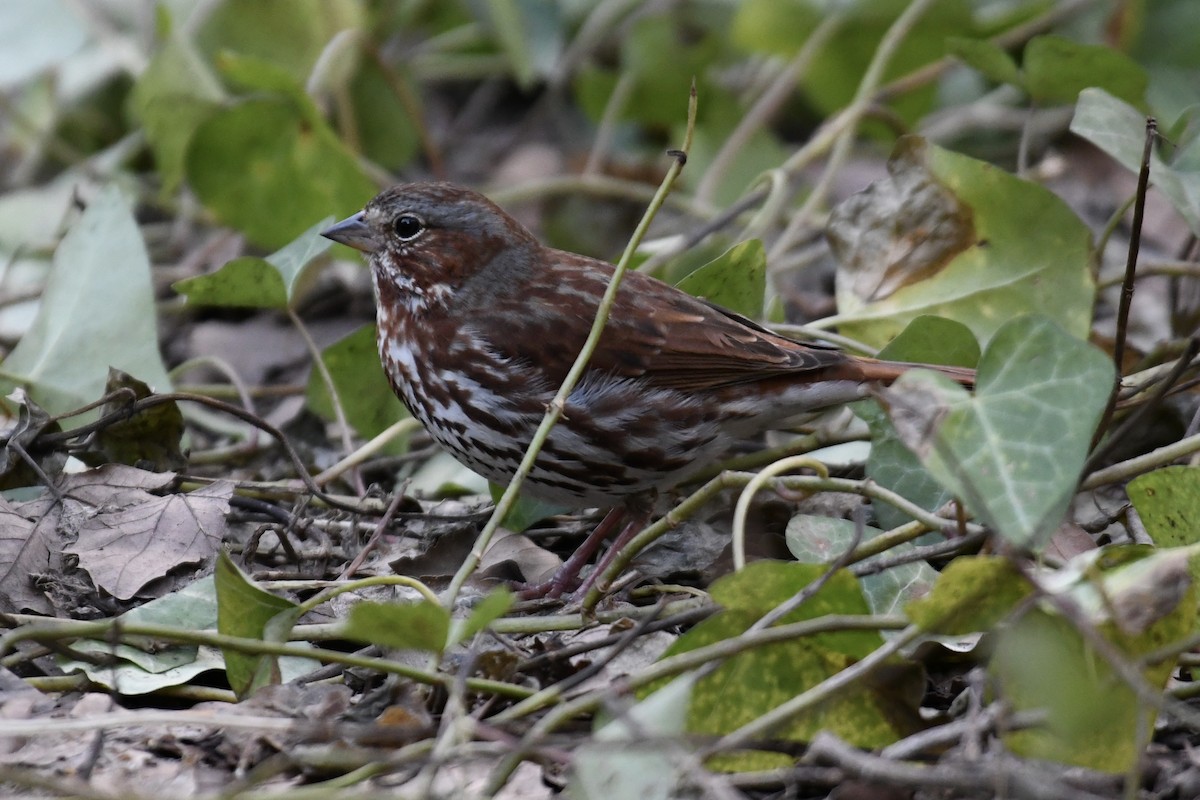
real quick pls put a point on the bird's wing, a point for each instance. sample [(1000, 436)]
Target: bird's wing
[(722, 350), (655, 332)]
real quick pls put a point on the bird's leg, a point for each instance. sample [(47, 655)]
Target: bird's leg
[(634, 513), (633, 526), (566, 576)]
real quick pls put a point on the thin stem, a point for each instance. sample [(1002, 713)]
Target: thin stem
[(742, 509), (1143, 463), (699, 657), (608, 122), (766, 106), (72, 629), (1111, 226), (339, 411), (810, 332), (365, 583), (849, 120), (604, 186), (1131, 422), (394, 431)]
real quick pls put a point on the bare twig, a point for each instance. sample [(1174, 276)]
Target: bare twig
[(1131, 422), (1135, 238), (1143, 463), (1017, 779), (380, 528), (237, 411)]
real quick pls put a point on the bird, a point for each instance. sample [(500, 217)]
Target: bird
[(478, 323)]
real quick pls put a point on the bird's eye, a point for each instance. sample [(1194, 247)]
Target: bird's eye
[(408, 227)]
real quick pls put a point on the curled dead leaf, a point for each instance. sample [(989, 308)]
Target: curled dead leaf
[(899, 230)]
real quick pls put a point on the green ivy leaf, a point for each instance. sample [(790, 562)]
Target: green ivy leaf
[(736, 279), (408, 626), (830, 81), (663, 62), (149, 666), (289, 33), (979, 54), (247, 611), (388, 132), (1012, 452), (258, 75), (819, 540), (934, 340), (1168, 504), (926, 340), (1120, 130), (752, 683), (1056, 70), (1041, 661), (262, 167), (248, 281), (493, 606), (96, 311), (526, 511), (972, 594), (176, 92)]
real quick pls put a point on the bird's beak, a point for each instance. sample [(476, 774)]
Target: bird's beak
[(353, 232)]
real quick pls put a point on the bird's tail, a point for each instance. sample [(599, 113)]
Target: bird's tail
[(888, 371)]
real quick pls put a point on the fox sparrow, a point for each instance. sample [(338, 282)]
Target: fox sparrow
[(478, 324)]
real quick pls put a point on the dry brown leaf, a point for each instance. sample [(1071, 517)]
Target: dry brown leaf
[(127, 548)]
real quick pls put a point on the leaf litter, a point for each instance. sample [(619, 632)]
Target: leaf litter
[(145, 524)]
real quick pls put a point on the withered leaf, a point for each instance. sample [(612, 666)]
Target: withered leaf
[(126, 548)]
